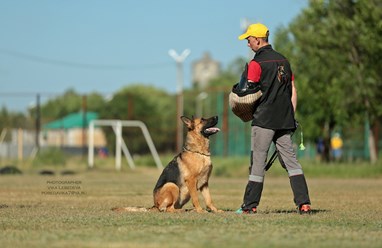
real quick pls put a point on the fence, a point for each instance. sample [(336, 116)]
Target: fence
[(233, 140), (20, 143)]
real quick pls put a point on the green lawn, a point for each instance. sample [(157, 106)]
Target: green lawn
[(34, 212)]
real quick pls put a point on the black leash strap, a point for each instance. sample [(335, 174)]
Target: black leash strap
[(274, 155), (271, 160)]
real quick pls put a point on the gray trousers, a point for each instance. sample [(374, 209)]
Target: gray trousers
[(261, 140)]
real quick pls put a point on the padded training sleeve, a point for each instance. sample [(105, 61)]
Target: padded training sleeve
[(254, 71)]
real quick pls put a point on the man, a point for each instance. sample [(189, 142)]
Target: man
[(273, 120)]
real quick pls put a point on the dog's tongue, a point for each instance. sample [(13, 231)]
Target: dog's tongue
[(213, 130)]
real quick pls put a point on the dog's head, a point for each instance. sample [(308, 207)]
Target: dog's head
[(206, 127)]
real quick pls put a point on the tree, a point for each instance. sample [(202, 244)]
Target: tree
[(69, 102), (13, 119), (336, 52), (154, 107)]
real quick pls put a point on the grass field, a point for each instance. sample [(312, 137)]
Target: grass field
[(35, 211)]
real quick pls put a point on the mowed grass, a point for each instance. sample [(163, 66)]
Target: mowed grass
[(347, 213)]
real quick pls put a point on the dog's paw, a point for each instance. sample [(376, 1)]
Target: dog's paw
[(198, 210), (215, 210), (219, 211)]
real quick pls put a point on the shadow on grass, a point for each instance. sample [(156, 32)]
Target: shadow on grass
[(4, 206), (293, 211), (282, 211)]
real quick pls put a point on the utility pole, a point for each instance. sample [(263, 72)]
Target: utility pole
[(38, 122), (179, 59), (84, 124)]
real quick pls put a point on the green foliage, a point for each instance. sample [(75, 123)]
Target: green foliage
[(14, 120), (154, 107), (335, 50), (50, 157), (68, 103), (238, 167), (230, 166)]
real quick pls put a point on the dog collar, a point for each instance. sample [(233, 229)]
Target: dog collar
[(204, 154)]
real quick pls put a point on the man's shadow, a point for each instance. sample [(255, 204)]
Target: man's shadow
[(285, 211), (294, 211)]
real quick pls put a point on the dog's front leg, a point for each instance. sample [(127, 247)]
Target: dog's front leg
[(191, 185), (207, 198)]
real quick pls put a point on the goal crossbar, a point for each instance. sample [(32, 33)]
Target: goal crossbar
[(117, 126)]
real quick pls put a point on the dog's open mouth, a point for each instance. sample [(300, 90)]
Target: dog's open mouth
[(211, 130), (210, 126)]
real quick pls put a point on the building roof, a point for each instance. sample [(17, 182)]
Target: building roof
[(74, 120)]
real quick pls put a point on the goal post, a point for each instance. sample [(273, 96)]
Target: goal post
[(120, 147)]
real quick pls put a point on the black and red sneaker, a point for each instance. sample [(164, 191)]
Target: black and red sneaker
[(304, 209)]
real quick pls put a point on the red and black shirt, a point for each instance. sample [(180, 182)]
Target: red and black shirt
[(274, 110)]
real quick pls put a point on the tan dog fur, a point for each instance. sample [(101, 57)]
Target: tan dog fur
[(195, 166), (187, 173)]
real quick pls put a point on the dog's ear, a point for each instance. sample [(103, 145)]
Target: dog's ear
[(188, 122)]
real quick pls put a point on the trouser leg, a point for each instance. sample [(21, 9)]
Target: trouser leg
[(252, 195), (289, 161), (260, 141), (300, 189)]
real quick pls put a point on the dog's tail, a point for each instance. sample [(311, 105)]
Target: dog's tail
[(134, 209)]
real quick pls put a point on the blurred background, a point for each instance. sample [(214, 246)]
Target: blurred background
[(64, 64)]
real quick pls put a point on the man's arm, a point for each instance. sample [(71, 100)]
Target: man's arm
[(294, 96)]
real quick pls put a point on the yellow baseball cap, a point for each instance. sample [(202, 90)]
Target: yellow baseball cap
[(256, 30)]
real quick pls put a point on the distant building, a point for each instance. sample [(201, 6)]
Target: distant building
[(68, 133), (72, 131), (203, 70)]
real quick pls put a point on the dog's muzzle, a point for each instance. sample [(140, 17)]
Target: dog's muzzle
[(209, 128)]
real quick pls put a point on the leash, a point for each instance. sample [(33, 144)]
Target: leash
[(204, 154), (274, 155)]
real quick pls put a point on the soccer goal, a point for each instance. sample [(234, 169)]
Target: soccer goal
[(120, 147)]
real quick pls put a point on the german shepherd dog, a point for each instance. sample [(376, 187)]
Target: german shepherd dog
[(189, 171)]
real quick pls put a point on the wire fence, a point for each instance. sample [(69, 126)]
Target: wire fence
[(233, 140)]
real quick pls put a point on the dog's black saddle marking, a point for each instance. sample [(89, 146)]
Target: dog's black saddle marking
[(170, 174)]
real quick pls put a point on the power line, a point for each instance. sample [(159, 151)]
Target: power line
[(56, 62), (27, 94)]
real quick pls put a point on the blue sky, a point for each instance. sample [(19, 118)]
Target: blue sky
[(49, 46)]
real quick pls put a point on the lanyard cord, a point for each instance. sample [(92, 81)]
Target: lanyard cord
[(301, 146)]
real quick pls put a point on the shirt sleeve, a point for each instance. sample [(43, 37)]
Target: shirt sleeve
[(254, 71)]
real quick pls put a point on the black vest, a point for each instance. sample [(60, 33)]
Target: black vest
[(274, 110)]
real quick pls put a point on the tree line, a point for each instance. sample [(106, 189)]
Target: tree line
[(335, 51), (335, 48)]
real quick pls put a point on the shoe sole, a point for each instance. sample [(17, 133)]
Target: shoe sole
[(240, 211), (305, 211)]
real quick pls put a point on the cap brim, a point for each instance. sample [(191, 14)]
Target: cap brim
[(244, 36)]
